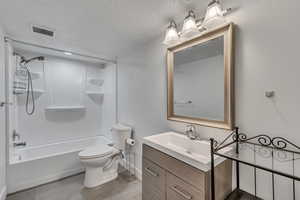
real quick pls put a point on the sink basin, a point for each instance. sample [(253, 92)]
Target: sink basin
[(193, 152)]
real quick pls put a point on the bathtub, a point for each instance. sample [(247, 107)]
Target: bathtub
[(33, 166)]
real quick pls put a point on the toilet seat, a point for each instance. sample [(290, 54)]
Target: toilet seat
[(97, 151)]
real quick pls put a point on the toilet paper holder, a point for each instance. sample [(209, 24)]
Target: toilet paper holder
[(130, 141), (130, 163)]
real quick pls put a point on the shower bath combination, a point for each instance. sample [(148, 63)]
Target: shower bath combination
[(25, 70), (57, 108)]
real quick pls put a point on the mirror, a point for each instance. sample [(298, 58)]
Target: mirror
[(200, 85)]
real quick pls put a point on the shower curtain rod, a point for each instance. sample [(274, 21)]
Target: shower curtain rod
[(7, 38)]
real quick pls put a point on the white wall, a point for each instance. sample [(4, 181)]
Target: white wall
[(2, 121), (266, 58), (140, 98), (65, 83)]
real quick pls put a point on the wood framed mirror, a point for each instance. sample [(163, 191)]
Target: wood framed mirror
[(201, 79)]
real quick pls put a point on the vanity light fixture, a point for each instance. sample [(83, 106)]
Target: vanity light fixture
[(214, 14), (172, 36), (191, 26)]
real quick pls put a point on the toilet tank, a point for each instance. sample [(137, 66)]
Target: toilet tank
[(120, 133)]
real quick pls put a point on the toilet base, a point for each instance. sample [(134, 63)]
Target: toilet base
[(95, 177)]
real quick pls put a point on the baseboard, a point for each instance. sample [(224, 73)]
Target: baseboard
[(3, 193), (43, 180), (53, 177), (137, 172)]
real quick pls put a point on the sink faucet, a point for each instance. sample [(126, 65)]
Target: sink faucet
[(190, 132)]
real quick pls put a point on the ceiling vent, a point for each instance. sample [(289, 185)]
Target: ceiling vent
[(43, 30)]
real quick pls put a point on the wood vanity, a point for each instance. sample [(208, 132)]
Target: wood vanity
[(167, 178)]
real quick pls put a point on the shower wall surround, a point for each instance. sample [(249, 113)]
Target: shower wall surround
[(2, 121), (74, 100), (75, 107)]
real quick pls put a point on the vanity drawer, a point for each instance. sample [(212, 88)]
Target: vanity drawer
[(178, 189), (186, 172), (153, 174), (154, 181), (150, 195)]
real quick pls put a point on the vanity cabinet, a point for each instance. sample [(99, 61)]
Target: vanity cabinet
[(167, 178), (154, 181)]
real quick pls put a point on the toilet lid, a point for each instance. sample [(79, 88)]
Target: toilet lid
[(96, 151)]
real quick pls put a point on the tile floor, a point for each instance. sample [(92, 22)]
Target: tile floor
[(123, 188)]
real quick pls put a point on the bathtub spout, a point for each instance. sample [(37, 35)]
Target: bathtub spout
[(19, 144)]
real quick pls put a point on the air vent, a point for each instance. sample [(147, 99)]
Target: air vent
[(43, 31)]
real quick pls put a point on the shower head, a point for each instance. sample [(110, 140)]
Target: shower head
[(29, 89), (24, 61), (41, 58), (21, 57)]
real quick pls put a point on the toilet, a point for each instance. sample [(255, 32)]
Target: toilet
[(101, 161)]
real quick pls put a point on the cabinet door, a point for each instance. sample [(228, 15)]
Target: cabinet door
[(189, 174), (178, 189), (154, 179)]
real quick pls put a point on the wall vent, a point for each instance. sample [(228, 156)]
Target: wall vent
[(42, 30)]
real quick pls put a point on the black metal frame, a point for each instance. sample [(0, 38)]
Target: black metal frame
[(279, 144)]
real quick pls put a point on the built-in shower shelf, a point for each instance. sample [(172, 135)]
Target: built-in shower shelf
[(96, 96), (96, 81), (94, 93), (65, 108), (36, 92), (21, 75)]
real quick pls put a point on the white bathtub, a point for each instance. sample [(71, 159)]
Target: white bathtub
[(33, 166)]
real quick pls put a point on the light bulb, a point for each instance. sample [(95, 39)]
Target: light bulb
[(171, 34), (214, 15), (68, 53), (189, 27)]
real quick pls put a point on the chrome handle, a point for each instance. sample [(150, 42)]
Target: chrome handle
[(181, 192), (152, 173), (190, 128), (2, 104), (19, 144)]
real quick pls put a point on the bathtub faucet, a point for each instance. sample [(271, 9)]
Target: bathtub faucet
[(19, 144)]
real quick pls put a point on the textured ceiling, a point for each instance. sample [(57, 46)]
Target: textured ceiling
[(102, 27)]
